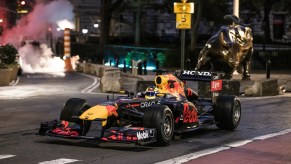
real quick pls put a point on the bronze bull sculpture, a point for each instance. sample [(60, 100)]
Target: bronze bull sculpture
[(228, 50)]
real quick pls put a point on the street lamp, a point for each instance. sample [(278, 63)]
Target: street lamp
[(22, 3), (22, 7), (84, 31), (236, 8), (1, 27)]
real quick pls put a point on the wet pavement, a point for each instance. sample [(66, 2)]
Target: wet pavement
[(273, 148)]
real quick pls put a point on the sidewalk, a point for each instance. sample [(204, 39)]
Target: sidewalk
[(284, 78)]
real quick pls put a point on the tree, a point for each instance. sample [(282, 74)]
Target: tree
[(138, 6), (195, 20), (107, 8), (267, 8), (202, 8)]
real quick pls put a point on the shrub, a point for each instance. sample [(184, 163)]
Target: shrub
[(7, 56)]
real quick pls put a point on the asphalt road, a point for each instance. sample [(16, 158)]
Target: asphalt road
[(40, 97)]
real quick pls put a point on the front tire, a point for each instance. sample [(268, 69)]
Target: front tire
[(161, 118), (227, 112), (75, 107)]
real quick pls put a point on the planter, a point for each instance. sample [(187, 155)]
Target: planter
[(14, 74), (5, 76)]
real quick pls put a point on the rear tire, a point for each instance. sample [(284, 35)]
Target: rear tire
[(227, 112), (161, 118), (75, 107)]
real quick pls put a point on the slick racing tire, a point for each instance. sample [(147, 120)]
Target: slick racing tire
[(227, 112), (161, 118), (75, 107)]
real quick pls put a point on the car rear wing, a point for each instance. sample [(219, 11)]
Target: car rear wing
[(192, 75), (214, 78)]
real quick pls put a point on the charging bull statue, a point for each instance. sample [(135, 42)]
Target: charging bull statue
[(228, 50)]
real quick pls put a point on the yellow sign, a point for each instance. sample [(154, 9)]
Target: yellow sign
[(183, 21), (22, 11), (184, 7)]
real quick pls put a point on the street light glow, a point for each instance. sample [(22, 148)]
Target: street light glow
[(84, 31), (65, 24), (22, 2)]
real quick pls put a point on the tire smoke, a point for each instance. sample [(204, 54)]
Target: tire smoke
[(40, 25)]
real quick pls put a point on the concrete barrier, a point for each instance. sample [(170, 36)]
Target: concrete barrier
[(80, 67), (92, 69), (113, 80), (110, 79), (268, 87), (131, 82)]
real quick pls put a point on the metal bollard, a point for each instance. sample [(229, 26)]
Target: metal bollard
[(268, 69), (145, 67), (116, 62), (188, 62), (157, 64), (134, 67), (139, 68), (124, 66)]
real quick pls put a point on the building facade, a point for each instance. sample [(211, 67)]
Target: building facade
[(155, 21)]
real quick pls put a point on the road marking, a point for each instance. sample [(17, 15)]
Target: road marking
[(45, 75), (14, 82), (191, 156), (239, 143), (59, 161), (195, 155), (273, 135), (93, 86), (6, 156)]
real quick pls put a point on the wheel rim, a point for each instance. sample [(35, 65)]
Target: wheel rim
[(236, 113), (167, 125)]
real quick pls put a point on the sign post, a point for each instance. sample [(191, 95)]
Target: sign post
[(183, 21)]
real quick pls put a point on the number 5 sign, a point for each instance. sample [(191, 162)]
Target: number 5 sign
[(183, 21), (183, 14)]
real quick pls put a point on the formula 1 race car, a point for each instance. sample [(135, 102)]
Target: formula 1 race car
[(136, 119)]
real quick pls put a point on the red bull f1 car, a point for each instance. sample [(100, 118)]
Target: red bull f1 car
[(135, 119)]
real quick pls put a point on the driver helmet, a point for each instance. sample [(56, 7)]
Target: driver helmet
[(151, 92)]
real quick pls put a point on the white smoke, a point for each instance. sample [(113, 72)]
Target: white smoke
[(40, 25), (43, 55)]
